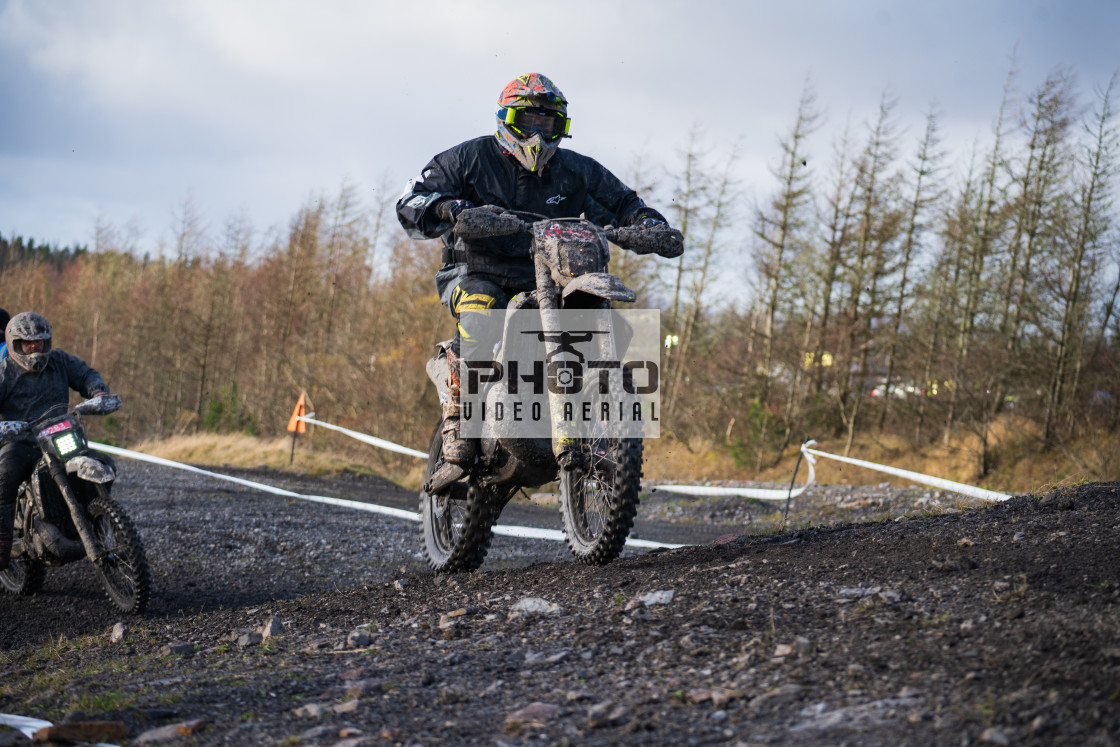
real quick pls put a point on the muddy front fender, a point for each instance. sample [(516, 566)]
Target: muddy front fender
[(91, 470), (601, 284)]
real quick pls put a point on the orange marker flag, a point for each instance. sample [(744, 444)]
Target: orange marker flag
[(295, 425)]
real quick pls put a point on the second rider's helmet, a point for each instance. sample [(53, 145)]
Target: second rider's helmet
[(532, 120), (22, 329)]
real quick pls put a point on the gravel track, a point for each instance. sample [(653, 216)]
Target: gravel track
[(881, 616)]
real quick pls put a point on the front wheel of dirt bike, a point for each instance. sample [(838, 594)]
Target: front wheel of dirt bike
[(457, 526), (599, 500), (124, 568)]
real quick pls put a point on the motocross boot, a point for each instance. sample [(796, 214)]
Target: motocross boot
[(5, 550), (456, 450)]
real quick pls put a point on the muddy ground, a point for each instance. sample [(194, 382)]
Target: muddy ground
[(878, 616)]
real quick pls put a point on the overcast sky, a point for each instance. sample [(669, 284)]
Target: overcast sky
[(124, 109)]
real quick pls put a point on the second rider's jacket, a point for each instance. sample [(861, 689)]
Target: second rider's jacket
[(27, 395), (480, 172)]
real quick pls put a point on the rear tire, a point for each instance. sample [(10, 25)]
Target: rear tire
[(124, 571), (598, 502), (23, 576), (457, 533)]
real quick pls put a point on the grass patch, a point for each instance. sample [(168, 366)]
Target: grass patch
[(111, 700), (240, 450)]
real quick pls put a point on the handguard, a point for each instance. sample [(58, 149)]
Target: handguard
[(13, 428), (662, 239), (102, 404), (488, 220)]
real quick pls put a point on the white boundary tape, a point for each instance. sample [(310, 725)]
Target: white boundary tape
[(500, 529), (781, 495), (762, 494), (372, 440), (936, 482)]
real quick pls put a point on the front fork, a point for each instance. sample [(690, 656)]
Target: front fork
[(548, 301), (94, 551)]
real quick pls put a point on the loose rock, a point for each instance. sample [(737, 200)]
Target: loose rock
[(534, 714), (994, 735), (358, 638), (651, 598), (164, 734), (119, 632), (272, 627), (249, 639), (177, 648), (534, 607), (311, 710)]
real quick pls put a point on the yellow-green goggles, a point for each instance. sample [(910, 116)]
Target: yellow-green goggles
[(528, 121)]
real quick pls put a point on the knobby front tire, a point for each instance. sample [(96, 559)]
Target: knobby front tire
[(598, 501), (124, 573)]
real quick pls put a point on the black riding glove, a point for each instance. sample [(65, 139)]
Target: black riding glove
[(488, 220), (652, 236), (449, 209)]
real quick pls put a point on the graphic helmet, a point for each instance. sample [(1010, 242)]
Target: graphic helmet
[(29, 340), (532, 120)]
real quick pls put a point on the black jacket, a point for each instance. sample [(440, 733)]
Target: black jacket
[(481, 172), (25, 395)]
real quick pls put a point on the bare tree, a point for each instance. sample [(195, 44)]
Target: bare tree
[(926, 192), (1082, 230), (781, 229), (869, 264), (714, 224)]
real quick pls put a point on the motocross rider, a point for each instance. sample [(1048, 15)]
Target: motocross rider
[(519, 167), (33, 379)]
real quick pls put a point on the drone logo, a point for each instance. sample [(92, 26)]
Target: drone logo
[(595, 371), (565, 377), (560, 375)]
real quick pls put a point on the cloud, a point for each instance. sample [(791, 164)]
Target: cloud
[(260, 103)]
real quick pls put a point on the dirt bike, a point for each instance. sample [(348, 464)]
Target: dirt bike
[(64, 511), (599, 475)]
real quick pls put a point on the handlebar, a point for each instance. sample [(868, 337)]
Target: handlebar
[(491, 221), (100, 404)]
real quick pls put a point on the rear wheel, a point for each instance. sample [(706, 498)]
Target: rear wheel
[(23, 576), (598, 501), (123, 570), (457, 525)]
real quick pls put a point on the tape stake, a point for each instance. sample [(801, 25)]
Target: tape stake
[(762, 494)]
